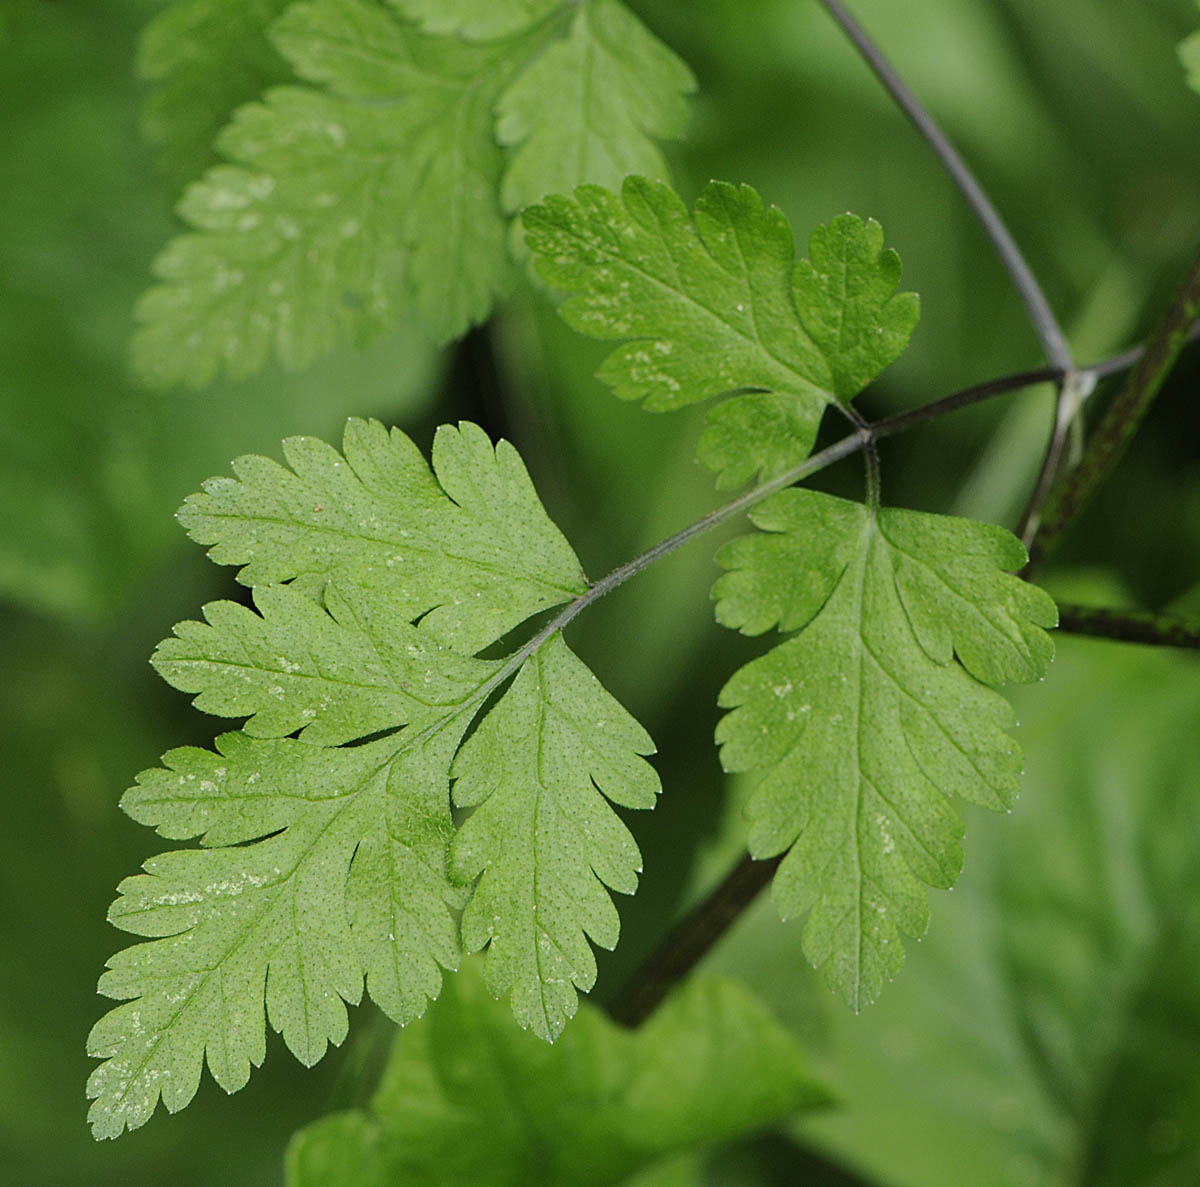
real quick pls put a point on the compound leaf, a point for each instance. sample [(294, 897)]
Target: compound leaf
[(378, 188), (866, 722), (713, 302), (465, 1098), (323, 865)]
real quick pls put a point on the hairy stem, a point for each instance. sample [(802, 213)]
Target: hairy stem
[(1130, 626), (1121, 419), (1054, 344)]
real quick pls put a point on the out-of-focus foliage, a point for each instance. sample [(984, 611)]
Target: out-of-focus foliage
[(1044, 1032), (93, 466), (1078, 118), (385, 187), (466, 1098)]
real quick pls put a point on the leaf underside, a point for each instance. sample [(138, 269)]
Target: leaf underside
[(877, 711), (328, 857)]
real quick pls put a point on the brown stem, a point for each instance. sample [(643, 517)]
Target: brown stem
[(1131, 626), (690, 940)]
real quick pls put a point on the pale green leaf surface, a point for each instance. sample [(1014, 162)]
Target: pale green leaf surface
[(616, 89), (468, 1099), (864, 724), (333, 676), (1189, 56), (467, 545), (322, 865), (380, 187), (713, 302), (204, 58), (543, 841)]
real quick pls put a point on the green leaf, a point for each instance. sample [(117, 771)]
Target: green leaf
[(542, 841), (281, 902), (866, 722), (204, 58), (616, 90), (713, 302), (323, 864), (378, 188), (466, 1099), (1189, 56)]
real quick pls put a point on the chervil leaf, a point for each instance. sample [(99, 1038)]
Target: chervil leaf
[(866, 722), (542, 841), (204, 57), (324, 864), (713, 302), (466, 1098), (378, 188), (616, 88)]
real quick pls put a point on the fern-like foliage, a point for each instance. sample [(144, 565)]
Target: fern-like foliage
[(384, 185), (328, 854), (330, 858), (865, 723), (204, 58)]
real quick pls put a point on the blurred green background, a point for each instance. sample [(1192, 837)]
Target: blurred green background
[(1047, 1031)]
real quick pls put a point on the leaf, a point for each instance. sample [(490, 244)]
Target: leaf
[(617, 89), (323, 864), (867, 721), (1189, 57), (466, 1099), (713, 302), (542, 841), (204, 57), (378, 188)]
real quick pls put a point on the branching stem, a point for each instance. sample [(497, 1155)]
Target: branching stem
[(696, 934)]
